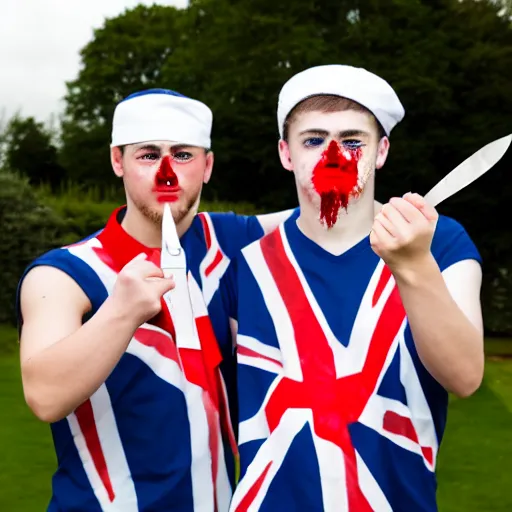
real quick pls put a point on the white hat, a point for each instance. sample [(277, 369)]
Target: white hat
[(161, 114), (349, 82)]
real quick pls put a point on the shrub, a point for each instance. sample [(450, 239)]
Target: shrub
[(497, 302), (34, 221), (83, 211), (86, 211), (226, 206), (29, 228)]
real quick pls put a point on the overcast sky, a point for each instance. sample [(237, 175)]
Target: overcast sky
[(40, 42)]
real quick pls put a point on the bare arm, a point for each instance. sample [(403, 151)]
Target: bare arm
[(64, 362), (446, 321)]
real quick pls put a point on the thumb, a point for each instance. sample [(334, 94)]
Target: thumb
[(140, 257), (164, 284)]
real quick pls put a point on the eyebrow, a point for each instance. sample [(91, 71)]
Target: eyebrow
[(158, 149), (341, 135), (179, 147), (149, 147)]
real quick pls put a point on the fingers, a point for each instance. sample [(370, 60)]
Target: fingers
[(380, 236), (395, 220), (402, 212), (385, 223), (419, 202), (407, 210)]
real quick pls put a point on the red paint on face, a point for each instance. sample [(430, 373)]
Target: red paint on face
[(335, 179), (166, 182)]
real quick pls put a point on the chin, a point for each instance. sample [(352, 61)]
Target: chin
[(154, 214), (183, 207)]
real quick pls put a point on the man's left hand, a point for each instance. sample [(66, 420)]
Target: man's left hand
[(403, 230)]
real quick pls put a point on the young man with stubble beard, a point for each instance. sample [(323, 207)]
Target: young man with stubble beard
[(138, 424)]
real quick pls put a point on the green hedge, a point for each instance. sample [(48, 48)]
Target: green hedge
[(497, 301), (85, 212), (29, 228), (35, 221)]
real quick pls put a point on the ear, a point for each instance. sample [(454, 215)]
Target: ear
[(209, 167), (382, 152), (116, 158), (284, 155)]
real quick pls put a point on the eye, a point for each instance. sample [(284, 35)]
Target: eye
[(182, 156), (150, 156), (313, 142), (352, 144)]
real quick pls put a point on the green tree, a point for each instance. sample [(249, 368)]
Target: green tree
[(449, 61), (125, 55), (28, 148), (28, 230), (236, 57)]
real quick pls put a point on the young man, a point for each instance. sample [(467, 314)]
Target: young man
[(135, 421), (352, 329)]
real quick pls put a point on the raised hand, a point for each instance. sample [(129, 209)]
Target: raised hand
[(139, 288), (402, 231)]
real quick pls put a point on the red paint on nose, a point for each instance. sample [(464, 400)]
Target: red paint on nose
[(166, 182), (166, 177)]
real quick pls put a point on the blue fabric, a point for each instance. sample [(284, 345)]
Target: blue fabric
[(338, 285)]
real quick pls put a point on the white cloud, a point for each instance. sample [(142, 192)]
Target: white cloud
[(39, 48)]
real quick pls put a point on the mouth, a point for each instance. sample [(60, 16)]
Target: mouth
[(335, 174), (335, 179), (340, 167), (166, 194)]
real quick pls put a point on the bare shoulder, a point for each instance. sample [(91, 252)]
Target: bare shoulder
[(464, 276), (464, 280), (46, 286), (52, 305)]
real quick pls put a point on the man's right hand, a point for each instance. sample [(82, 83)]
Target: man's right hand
[(63, 360), (139, 289)]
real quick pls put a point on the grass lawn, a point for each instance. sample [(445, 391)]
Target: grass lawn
[(474, 466), (26, 460)]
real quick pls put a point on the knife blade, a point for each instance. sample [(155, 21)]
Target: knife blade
[(469, 170), (178, 301)]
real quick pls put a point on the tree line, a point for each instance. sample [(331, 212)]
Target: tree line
[(450, 62)]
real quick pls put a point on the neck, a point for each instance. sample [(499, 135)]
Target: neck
[(149, 233), (352, 226)]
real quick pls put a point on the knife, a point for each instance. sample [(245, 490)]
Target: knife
[(173, 261), (469, 170)]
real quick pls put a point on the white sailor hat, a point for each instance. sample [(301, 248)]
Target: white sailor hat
[(356, 84), (161, 114)]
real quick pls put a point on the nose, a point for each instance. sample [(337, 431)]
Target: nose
[(333, 154), (166, 175)]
